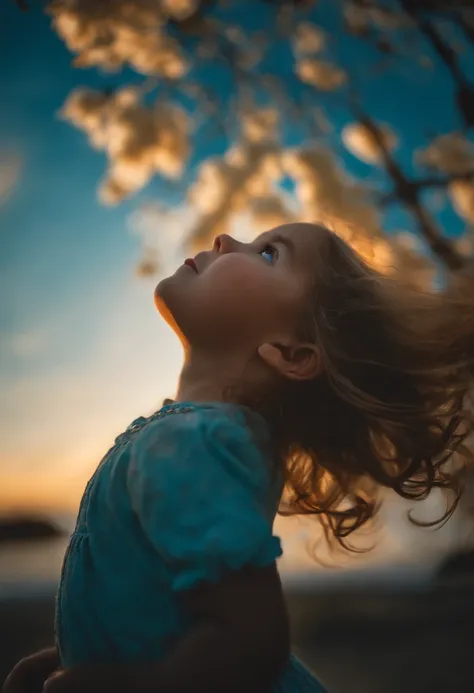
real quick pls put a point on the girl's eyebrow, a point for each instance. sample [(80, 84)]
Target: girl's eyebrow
[(287, 242)]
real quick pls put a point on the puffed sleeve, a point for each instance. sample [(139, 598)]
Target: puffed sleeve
[(202, 492)]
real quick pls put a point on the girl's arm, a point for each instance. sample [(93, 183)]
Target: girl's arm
[(240, 642), (29, 675)]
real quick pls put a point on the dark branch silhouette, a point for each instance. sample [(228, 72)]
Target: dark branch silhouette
[(407, 193)]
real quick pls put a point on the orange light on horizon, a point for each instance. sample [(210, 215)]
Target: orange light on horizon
[(43, 493)]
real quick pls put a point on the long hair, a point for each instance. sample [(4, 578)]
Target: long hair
[(388, 408)]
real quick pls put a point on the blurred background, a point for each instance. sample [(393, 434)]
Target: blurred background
[(134, 131)]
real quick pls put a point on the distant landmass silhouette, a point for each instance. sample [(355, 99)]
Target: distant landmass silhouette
[(460, 564), (28, 529)]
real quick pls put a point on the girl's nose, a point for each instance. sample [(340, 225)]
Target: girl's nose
[(224, 243)]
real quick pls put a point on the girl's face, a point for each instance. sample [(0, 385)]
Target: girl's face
[(240, 295)]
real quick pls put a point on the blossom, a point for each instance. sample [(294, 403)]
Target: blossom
[(139, 140), (308, 38), (320, 74), (110, 35), (361, 142)]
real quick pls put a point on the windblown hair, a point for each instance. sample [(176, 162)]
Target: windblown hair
[(389, 404)]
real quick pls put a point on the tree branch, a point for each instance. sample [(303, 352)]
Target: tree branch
[(439, 45), (465, 91), (407, 193), (425, 183)]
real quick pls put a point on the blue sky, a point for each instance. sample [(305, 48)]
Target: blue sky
[(73, 318), (83, 352)]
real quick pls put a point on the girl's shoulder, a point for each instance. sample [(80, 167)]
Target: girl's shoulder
[(206, 411), (216, 422), (210, 440), (203, 490)]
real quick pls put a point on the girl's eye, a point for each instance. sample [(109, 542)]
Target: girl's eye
[(270, 252)]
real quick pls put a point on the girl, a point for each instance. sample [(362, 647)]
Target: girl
[(305, 371)]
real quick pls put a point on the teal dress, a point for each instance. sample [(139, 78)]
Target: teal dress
[(181, 497)]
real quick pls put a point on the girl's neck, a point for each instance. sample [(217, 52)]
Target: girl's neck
[(198, 392), (207, 379), (233, 380)]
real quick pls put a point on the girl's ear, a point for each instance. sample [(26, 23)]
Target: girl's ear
[(299, 362)]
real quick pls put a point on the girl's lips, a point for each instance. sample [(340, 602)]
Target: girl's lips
[(190, 262)]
